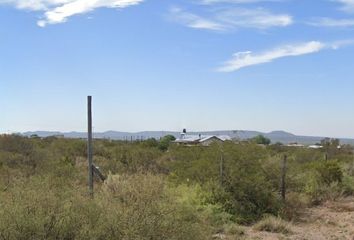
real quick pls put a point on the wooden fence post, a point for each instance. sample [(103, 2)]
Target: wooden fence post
[(283, 177), (222, 169), (89, 145)]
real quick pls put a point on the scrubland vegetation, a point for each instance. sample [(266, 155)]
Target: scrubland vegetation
[(156, 190)]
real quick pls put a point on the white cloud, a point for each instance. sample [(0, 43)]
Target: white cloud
[(194, 21), (236, 1), (58, 11), (339, 44), (348, 5), (246, 59), (253, 18), (330, 22), (34, 5), (234, 18)]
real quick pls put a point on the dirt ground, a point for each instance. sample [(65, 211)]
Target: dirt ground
[(332, 220)]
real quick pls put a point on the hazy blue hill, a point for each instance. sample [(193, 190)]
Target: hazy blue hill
[(275, 136), (283, 137), (42, 133)]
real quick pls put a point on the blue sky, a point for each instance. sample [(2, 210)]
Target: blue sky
[(167, 65)]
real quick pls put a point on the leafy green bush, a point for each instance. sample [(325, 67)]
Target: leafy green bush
[(195, 197), (245, 192), (329, 172), (260, 139), (324, 180), (165, 142), (348, 184)]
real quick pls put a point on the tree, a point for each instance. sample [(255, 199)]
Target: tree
[(260, 139), (165, 142), (330, 146), (150, 142), (34, 136), (330, 142)]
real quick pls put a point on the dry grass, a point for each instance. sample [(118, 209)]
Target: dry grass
[(341, 206), (273, 225), (234, 229)]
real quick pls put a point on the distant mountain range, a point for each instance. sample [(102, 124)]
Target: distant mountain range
[(275, 136)]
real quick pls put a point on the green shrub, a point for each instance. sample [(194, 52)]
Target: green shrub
[(165, 142), (329, 172), (245, 192), (247, 200), (319, 191), (348, 184), (194, 197), (260, 139), (323, 181)]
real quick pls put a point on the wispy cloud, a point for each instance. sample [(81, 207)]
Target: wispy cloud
[(34, 5), (253, 18), (330, 22), (236, 1), (348, 5), (246, 59), (194, 21), (230, 19), (58, 11)]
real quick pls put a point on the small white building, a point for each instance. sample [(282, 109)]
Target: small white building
[(315, 146), (192, 140), (295, 144)]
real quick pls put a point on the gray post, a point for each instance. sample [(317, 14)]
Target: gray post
[(222, 169), (89, 145), (283, 176)]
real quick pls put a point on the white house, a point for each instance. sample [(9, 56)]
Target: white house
[(200, 139), (295, 144), (315, 146)]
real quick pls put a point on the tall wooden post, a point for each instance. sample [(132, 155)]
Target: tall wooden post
[(222, 169), (283, 176), (89, 145)]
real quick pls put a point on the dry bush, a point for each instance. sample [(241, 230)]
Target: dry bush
[(274, 225), (234, 229), (141, 208), (296, 204), (127, 207), (35, 209)]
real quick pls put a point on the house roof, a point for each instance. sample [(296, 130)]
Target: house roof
[(200, 139), (315, 146)]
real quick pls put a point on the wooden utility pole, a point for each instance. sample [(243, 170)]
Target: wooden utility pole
[(89, 145), (283, 176)]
